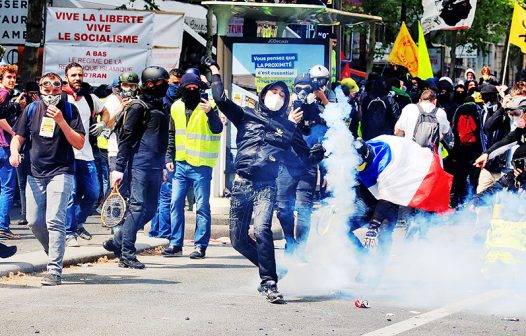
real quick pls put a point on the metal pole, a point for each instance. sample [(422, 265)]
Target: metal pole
[(506, 63)]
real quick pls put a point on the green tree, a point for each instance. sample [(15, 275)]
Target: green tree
[(491, 23), (34, 37)]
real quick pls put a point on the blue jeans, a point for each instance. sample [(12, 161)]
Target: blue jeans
[(144, 193), (160, 226), (7, 185), (47, 199), (295, 191), (103, 170), (85, 194), (257, 197), (201, 177)]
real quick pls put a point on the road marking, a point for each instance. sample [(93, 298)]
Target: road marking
[(417, 321)]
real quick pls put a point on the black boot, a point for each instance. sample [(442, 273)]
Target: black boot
[(7, 251)]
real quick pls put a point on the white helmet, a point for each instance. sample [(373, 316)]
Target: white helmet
[(319, 71)]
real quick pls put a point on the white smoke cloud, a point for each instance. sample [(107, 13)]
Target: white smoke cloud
[(328, 263), (453, 258)]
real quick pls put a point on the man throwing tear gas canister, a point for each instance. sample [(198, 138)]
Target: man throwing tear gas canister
[(264, 134)]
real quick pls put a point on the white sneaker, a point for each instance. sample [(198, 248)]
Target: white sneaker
[(72, 242)]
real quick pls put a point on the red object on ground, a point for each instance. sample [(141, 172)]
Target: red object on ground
[(361, 303)]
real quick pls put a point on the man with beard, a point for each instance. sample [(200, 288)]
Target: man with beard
[(142, 146), (52, 127), (86, 186), (194, 139)]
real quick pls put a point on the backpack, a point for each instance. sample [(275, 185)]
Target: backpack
[(427, 129), (31, 111), (121, 118), (466, 129), (375, 121), (376, 100)]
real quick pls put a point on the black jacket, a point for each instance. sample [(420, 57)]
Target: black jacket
[(144, 135), (466, 152), (263, 136)]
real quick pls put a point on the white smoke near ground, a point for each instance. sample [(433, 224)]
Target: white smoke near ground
[(451, 257), (328, 262)]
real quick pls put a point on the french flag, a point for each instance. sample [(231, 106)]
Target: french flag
[(406, 174)]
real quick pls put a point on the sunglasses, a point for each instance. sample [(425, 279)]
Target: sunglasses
[(48, 84)]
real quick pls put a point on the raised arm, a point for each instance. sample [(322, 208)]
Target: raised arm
[(230, 109)]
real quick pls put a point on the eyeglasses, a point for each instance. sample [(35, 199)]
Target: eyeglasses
[(48, 84)]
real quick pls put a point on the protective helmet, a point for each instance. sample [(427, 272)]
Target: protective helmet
[(154, 73), (319, 71), (302, 79), (489, 88), (366, 153), (129, 77), (194, 71)]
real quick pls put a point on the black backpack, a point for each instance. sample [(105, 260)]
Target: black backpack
[(121, 118), (427, 129)]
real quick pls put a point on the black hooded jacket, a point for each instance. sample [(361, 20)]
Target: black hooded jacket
[(144, 136), (263, 136)]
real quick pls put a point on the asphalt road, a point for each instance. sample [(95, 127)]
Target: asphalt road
[(217, 296)]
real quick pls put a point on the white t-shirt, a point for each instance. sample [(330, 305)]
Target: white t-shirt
[(86, 153), (409, 117), (112, 104)]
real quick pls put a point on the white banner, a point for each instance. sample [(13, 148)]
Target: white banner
[(167, 58), (92, 28), (168, 30), (447, 14), (13, 18), (101, 65)]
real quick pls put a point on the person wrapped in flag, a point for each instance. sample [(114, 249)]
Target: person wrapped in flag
[(397, 171)]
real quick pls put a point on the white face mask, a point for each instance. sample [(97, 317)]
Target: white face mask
[(50, 99), (273, 101)]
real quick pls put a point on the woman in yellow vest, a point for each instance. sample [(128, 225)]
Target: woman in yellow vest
[(195, 134)]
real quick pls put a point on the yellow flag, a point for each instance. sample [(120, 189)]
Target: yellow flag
[(518, 28), (404, 51), (425, 71)]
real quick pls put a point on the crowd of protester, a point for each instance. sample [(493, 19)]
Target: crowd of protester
[(157, 134)]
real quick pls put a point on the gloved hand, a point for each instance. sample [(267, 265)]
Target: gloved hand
[(96, 129), (208, 61), (371, 237), (116, 176), (317, 153), (106, 133)]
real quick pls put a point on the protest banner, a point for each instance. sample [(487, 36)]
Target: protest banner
[(109, 42), (88, 27), (13, 19), (101, 66)]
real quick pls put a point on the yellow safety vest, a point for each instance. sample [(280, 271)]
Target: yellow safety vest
[(102, 142), (194, 143)]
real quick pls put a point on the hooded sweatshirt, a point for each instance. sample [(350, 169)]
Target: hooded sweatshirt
[(263, 136)]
